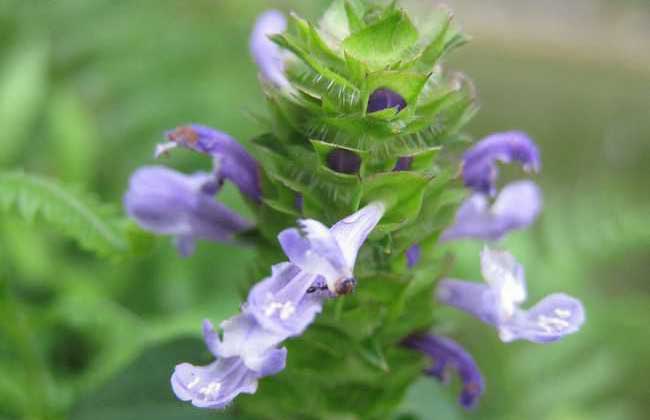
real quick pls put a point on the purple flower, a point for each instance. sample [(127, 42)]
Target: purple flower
[(448, 355), (403, 164), (267, 55), (479, 163), (231, 160), (344, 161), (168, 202), (281, 303), (279, 307), (384, 98), (498, 302), (217, 384), (413, 255), (331, 253), (516, 207)]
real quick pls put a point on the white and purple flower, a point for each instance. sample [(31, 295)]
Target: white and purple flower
[(481, 215), (331, 253), (516, 207), (279, 307), (480, 170), (498, 302), (168, 202), (231, 161)]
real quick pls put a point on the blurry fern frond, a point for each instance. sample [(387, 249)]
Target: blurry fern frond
[(77, 216)]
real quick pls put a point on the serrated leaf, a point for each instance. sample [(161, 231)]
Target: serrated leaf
[(384, 42), (355, 21), (441, 35), (438, 208), (290, 43), (76, 216)]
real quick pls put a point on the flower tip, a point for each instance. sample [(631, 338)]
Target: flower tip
[(163, 149)]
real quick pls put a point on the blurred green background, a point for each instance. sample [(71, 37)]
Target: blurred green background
[(88, 86)]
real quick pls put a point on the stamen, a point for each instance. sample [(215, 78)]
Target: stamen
[(194, 382), (211, 390), (164, 148), (562, 313), (551, 325), (183, 134)]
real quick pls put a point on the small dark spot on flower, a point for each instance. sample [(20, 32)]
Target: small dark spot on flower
[(345, 286), (344, 161), (184, 134), (384, 98)]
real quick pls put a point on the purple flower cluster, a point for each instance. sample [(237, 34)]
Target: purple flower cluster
[(321, 263), (321, 260), (497, 302), (515, 207), (486, 217)]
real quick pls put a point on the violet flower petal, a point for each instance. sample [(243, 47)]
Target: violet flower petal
[(232, 161), (331, 252), (215, 385), (447, 355), (498, 302), (168, 202), (413, 255), (479, 162), (245, 338), (549, 320), (506, 279), (281, 303), (474, 298), (516, 207), (352, 232), (267, 55)]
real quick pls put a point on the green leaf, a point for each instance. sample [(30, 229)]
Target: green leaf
[(383, 43), (292, 44), (23, 84), (402, 194), (77, 216), (355, 22), (74, 138), (438, 208)]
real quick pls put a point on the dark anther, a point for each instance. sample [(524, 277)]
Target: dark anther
[(345, 286), (384, 98), (344, 161), (182, 134)]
